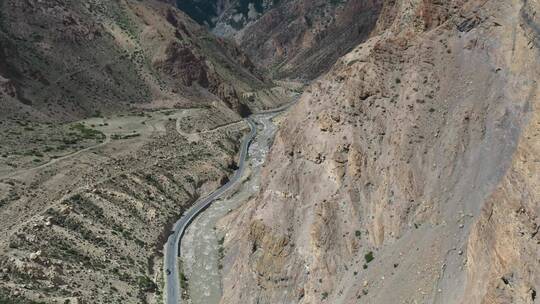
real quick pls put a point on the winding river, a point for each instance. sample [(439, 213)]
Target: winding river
[(200, 247)]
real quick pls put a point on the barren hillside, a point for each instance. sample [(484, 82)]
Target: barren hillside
[(72, 59), (292, 38), (89, 227), (115, 116), (303, 39), (409, 173)]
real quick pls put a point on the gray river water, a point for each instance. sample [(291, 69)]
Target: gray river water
[(200, 244)]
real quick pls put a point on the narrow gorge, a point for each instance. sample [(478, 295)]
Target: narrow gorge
[(396, 156)]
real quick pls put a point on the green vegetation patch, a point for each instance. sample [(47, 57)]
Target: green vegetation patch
[(87, 133), (369, 257), (146, 284), (127, 136), (324, 295)]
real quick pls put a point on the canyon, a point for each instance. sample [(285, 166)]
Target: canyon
[(406, 171)]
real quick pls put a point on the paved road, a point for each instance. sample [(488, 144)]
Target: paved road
[(171, 249)]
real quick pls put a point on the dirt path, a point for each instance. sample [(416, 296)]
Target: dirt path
[(117, 125), (59, 159), (194, 137)]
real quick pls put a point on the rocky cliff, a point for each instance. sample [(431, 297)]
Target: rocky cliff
[(408, 173), (71, 59)]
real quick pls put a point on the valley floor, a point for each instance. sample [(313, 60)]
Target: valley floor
[(86, 218), (202, 250)]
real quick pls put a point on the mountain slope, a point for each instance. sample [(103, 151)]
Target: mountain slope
[(91, 228), (68, 59), (87, 204), (293, 38), (227, 16), (408, 173), (303, 39)]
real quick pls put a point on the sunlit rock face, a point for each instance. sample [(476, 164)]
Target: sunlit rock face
[(408, 173)]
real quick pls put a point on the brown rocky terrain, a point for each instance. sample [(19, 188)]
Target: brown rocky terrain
[(90, 227), (115, 116), (408, 173), (303, 39), (61, 60), (293, 38)]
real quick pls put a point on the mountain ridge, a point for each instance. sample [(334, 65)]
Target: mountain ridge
[(75, 59), (407, 173)]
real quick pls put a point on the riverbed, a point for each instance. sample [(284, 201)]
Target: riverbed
[(202, 243)]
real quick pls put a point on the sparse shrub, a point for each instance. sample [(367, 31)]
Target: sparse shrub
[(324, 295), (87, 133), (140, 242), (369, 257), (183, 281), (146, 284)]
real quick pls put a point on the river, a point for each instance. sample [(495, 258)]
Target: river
[(200, 247)]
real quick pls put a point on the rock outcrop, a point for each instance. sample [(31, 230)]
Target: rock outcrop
[(408, 173)]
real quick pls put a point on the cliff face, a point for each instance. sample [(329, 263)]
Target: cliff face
[(408, 173), (66, 60), (503, 249)]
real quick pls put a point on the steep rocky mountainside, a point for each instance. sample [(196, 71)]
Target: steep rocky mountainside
[(305, 38), (294, 38), (70, 59), (229, 16), (409, 173)]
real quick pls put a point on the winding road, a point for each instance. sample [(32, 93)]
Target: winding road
[(171, 250), (173, 294)]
